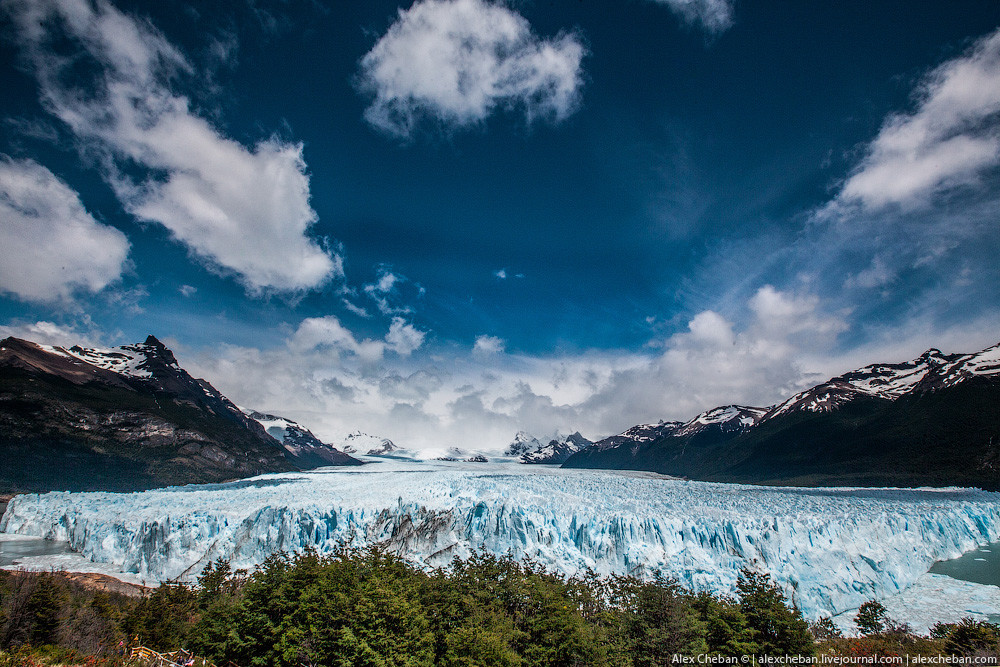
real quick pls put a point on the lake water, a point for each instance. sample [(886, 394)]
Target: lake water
[(981, 566), (15, 547)]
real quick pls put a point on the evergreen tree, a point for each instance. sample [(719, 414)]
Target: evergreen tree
[(871, 618), (776, 628)]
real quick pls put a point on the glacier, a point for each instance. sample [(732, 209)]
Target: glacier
[(830, 549)]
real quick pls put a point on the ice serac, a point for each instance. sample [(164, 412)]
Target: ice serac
[(830, 549)]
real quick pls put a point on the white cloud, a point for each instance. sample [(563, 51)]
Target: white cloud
[(50, 246), (404, 338), (243, 211), (501, 274), (187, 290), (327, 333), (713, 15), (354, 308), (877, 274), (456, 62), (49, 333), (484, 397), (947, 141), (385, 290), (489, 345)]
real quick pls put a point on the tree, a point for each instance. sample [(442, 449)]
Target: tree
[(871, 618), (659, 620), (824, 630), (726, 629), (969, 637), (777, 629)]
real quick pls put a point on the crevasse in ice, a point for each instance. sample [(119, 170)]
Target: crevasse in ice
[(830, 549)]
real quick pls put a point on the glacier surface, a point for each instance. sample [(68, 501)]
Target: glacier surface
[(830, 549)]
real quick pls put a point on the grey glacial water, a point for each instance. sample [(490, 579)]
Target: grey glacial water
[(980, 566), (13, 550)]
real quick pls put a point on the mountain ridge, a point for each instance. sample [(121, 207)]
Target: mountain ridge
[(934, 420), (120, 419)]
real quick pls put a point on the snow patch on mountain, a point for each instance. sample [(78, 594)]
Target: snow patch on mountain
[(728, 418), (128, 360), (931, 370), (557, 450), (829, 549), (359, 442), (522, 444)]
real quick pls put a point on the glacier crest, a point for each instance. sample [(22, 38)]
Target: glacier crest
[(830, 549)]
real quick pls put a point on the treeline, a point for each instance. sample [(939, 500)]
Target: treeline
[(370, 609)]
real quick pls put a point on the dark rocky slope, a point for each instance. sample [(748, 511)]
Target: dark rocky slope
[(934, 421), (122, 419)]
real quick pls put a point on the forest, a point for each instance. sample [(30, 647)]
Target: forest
[(368, 608)]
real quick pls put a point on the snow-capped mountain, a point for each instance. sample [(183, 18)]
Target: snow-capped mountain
[(120, 418), (557, 450), (727, 419), (360, 442), (639, 434), (303, 448), (933, 420), (522, 444), (384, 447), (888, 381)]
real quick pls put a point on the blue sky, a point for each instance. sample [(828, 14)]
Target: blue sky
[(445, 221)]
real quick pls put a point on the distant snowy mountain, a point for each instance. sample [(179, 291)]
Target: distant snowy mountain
[(522, 444), (302, 447), (557, 450), (360, 442), (727, 419), (934, 420), (384, 447)]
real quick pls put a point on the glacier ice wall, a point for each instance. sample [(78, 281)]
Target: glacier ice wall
[(831, 549)]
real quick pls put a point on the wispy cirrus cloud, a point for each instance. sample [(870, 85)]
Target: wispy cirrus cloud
[(50, 246), (243, 211), (947, 141), (910, 234), (713, 15), (453, 63)]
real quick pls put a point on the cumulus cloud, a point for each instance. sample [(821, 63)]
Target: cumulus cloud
[(485, 396), (713, 15), (50, 246), (489, 345), (948, 140), (243, 211), (456, 62), (404, 338), (327, 333), (50, 333)]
